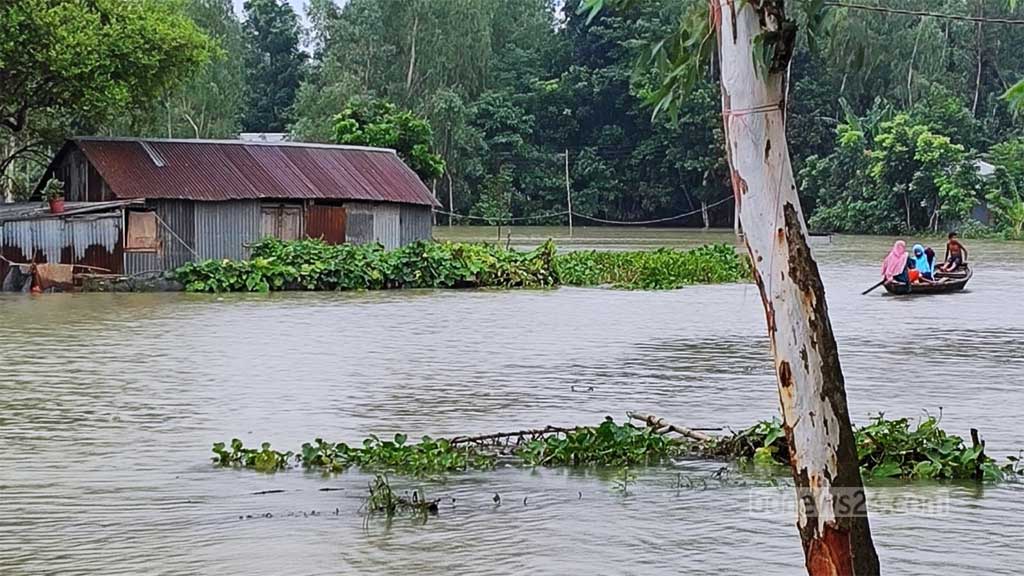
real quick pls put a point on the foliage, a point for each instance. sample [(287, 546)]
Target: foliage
[(889, 175), (262, 460), (1005, 192), (315, 265), (54, 189), (886, 448), (662, 269), (212, 103), (889, 448), (383, 500), (608, 444), (370, 122), (427, 457), (66, 64), (275, 63)]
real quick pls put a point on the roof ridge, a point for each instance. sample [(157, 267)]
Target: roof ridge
[(131, 139)]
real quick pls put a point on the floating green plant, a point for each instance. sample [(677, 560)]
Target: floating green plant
[(315, 265), (887, 448), (264, 459)]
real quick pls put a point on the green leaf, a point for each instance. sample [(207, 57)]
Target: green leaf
[(887, 469)]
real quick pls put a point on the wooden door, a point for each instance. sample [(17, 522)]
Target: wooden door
[(282, 221)]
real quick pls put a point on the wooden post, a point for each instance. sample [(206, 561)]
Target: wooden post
[(451, 203), (831, 511), (568, 191)]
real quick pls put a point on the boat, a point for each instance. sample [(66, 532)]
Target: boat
[(944, 282)]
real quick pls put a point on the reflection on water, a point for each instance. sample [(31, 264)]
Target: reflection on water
[(109, 403)]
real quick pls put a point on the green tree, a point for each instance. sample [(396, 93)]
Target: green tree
[(375, 122), (212, 103), (275, 64), (892, 175), (1006, 191), (74, 65)]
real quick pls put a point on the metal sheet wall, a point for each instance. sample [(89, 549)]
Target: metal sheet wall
[(359, 229), (93, 240), (326, 222), (387, 225), (179, 216), (417, 224), (224, 229)]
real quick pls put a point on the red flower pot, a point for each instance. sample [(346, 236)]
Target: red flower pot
[(57, 205)]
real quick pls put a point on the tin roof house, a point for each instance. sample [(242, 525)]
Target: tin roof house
[(139, 205)]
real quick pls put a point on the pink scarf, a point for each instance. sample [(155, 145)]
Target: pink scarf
[(896, 261)]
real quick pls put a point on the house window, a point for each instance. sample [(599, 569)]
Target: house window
[(141, 235)]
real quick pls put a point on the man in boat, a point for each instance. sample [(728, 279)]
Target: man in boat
[(956, 254)]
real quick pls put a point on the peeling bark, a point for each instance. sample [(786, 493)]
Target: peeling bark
[(832, 517)]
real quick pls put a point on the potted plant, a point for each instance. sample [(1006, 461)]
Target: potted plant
[(53, 192)]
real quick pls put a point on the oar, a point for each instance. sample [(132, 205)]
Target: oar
[(864, 293)]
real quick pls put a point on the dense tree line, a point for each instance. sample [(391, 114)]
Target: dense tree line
[(888, 115)]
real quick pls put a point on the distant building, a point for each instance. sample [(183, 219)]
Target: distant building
[(269, 137), (138, 205)]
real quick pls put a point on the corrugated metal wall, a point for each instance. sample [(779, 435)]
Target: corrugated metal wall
[(387, 225), (359, 229), (417, 224), (223, 229), (93, 240), (391, 225), (179, 215), (327, 223)]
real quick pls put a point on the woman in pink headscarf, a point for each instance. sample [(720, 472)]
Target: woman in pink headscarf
[(895, 265)]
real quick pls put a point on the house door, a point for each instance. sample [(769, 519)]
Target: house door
[(326, 223), (282, 221)]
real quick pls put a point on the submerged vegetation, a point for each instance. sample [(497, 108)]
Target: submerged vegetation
[(315, 265), (652, 270), (608, 444), (383, 500), (887, 448), (429, 456)]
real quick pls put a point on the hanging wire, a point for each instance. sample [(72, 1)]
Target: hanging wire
[(964, 18), (502, 220), (656, 220), (585, 216)]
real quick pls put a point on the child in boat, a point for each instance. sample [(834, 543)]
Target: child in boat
[(921, 263), (956, 254)]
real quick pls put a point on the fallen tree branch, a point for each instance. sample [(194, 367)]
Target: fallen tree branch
[(662, 426), (519, 435)]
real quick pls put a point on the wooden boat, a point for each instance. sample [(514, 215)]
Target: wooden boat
[(944, 282)]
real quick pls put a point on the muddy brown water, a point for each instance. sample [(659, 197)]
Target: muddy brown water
[(109, 405)]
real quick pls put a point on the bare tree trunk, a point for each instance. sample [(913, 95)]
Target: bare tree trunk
[(910, 71), (832, 515), (704, 214), (451, 202), (978, 38), (906, 205), (412, 51)]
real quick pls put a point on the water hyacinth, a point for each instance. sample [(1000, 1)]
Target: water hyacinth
[(315, 265)]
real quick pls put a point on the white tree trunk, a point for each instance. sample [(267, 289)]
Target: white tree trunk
[(832, 516)]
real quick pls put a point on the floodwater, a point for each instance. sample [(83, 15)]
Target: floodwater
[(109, 405)]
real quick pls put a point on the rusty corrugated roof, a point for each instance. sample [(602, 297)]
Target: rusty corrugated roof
[(212, 170), (40, 210)]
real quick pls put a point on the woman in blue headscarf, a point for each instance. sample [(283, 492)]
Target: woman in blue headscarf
[(921, 263)]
